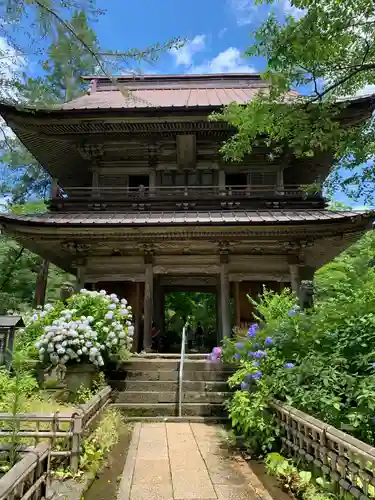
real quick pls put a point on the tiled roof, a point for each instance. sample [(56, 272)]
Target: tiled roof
[(165, 91), (161, 98), (253, 217)]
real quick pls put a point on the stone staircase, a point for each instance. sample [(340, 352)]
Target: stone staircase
[(147, 387)]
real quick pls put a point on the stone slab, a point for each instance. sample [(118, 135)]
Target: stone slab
[(183, 461)]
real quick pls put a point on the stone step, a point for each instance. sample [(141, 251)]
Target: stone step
[(169, 375), (170, 409), (137, 364), (170, 397), (168, 386), (186, 418), (160, 355)]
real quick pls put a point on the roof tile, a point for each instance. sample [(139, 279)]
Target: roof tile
[(181, 217)]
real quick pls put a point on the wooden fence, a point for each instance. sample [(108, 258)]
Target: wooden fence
[(345, 461), (63, 431), (28, 479)]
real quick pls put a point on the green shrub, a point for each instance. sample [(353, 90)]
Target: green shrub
[(321, 362)]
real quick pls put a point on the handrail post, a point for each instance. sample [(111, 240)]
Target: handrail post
[(181, 372), (76, 441)]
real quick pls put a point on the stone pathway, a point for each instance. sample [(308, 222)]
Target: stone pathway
[(182, 461)]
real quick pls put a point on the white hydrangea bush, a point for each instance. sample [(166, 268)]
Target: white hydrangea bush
[(94, 327)]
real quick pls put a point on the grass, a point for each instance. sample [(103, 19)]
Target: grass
[(97, 446)]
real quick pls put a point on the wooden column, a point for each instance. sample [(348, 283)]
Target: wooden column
[(137, 318), (148, 302), (54, 189), (80, 278), (41, 284), (238, 303), (152, 181), (295, 280), (219, 328), (225, 296), (298, 273), (158, 304), (222, 181)]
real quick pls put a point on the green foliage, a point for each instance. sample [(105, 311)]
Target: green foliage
[(97, 446), (299, 483), (327, 51), (199, 307), (24, 386), (321, 362)]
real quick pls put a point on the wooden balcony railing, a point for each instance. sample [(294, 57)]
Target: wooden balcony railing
[(182, 193)]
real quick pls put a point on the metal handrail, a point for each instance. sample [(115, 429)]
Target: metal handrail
[(181, 372)]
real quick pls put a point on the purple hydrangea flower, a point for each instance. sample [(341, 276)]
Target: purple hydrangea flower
[(237, 356), (256, 364), (244, 386), (215, 355), (259, 354), (268, 342), (239, 345), (293, 312), (252, 331), (250, 354), (256, 346), (254, 376), (289, 365)]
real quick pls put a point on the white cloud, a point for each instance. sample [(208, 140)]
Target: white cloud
[(11, 64), (229, 61), (247, 12), (184, 55), (290, 10), (244, 10)]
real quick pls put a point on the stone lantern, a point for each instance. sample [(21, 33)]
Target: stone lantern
[(8, 327)]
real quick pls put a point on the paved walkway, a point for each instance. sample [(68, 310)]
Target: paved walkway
[(182, 461)]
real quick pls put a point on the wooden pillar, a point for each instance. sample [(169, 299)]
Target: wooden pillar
[(225, 296), (54, 189), (158, 305), (41, 284), (295, 280), (80, 278), (236, 285), (222, 181), (152, 181), (137, 317), (298, 273), (219, 328), (148, 302)]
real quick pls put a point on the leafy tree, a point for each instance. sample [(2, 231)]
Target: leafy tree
[(326, 51), (67, 61), (19, 269)]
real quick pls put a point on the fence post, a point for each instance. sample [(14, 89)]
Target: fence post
[(76, 441)]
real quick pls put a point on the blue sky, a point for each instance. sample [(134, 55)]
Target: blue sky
[(217, 30)]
